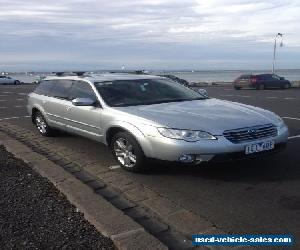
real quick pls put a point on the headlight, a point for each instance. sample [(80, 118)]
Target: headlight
[(279, 119), (187, 135)]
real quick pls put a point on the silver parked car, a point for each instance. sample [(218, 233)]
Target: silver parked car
[(145, 116), (5, 80)]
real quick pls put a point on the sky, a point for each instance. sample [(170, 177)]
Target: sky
[(43, 35)]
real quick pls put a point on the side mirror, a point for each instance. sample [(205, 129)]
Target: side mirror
[(83, 102), (202, 92)]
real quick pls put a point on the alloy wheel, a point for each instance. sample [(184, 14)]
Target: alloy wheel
[(41, 124), (124, 152)]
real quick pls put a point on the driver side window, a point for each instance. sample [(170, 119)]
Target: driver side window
[(81, 89)]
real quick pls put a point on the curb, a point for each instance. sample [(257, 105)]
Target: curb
[(107, 219), (165, 220)]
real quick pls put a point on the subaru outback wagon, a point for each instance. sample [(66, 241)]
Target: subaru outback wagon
[(145, 116)]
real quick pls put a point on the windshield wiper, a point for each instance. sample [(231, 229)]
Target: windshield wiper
[(158, 102)]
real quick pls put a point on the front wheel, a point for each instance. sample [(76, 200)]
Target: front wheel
[(128, 152), (286, 86)]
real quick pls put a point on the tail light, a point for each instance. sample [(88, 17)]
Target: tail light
[(253, 80)]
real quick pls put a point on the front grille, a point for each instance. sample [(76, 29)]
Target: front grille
[(250, 133)]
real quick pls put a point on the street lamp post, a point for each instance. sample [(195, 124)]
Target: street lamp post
[(274, 52)]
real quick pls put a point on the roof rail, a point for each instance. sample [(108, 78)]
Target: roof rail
[(62, 73)]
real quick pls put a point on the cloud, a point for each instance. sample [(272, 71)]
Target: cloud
[(147, 29)]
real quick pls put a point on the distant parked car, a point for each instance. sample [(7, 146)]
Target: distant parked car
[(8, 80), (261, 81), (38, 80), (177, 79)]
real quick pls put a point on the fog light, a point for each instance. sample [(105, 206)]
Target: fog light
[(186, 158)]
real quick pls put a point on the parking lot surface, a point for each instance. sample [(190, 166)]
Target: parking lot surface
[(255, 196)]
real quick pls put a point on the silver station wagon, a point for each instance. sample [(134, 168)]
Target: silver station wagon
[(143, 116)]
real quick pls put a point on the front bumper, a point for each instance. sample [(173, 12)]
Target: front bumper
[(207, 150)]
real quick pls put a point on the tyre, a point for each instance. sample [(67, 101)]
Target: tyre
[(261, 87), (16, 82), (286, 86), (128, 152), (237, 88), (42, 125)]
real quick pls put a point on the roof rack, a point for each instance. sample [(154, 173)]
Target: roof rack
[(62, 73), (137, 72)]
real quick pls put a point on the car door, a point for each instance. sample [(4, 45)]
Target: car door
[(276, 81), (4, 80), (84, 120), (267, 80), (10, 80), (57, 102)]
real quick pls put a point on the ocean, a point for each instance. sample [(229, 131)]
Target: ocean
[(195, 76)]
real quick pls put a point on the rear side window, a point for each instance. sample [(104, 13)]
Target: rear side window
[(61, 88), (44, 88), (266, 77), (81, 89), (245, 77)]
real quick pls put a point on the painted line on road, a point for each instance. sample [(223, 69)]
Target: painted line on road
[(3, 95), (3, 107), (7, 92), (294, 137), (290, 98), (14, 117), (20, 99), (271, 97), (2, 100), (22, 93), (17, 106), (291, 118)]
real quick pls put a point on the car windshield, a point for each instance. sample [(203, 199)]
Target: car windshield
[(144, 92)]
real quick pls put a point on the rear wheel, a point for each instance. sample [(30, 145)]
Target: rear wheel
[(16, 82), (42, 125), (261, 87), (128, 152)]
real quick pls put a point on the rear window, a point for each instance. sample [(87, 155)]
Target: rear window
[(44, 88)]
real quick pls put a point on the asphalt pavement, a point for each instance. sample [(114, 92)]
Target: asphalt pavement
[(254, 196)]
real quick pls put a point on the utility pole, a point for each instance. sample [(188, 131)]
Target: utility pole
[(274, 51)]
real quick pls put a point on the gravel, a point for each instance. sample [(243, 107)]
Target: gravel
[(35, 215)]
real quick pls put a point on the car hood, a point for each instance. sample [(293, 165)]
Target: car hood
[(211, 115)]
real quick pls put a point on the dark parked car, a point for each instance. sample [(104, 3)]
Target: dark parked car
[(261, 81)]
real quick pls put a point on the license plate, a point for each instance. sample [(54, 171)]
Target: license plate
[(259, 147)]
